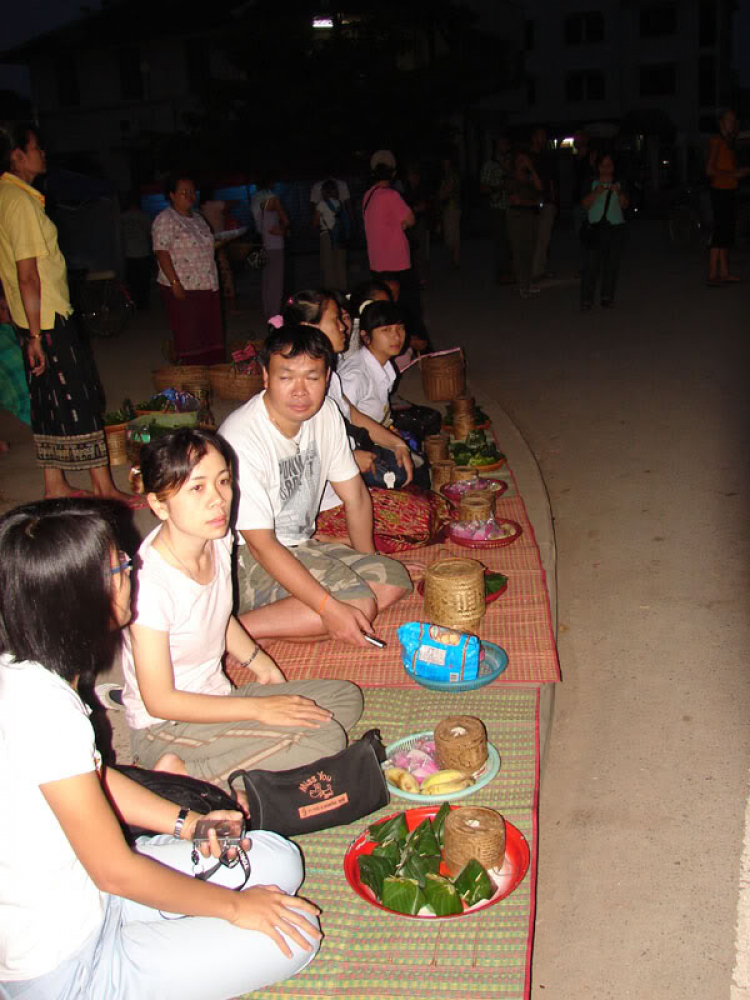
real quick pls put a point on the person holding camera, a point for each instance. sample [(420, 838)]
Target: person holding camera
[(603, 234), (82, 914), (524, 188)]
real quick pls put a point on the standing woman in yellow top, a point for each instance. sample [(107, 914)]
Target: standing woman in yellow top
[(66, 395), (724, 177)]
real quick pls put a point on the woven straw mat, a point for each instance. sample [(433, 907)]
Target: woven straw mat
[(371, 955)]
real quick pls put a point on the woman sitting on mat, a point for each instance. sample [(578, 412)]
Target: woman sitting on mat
[(183, 713), (367, 377), (82, 915)]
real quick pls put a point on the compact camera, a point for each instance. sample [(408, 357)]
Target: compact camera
[(229, 832)]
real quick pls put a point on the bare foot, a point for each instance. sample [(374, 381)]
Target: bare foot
[(172, 763), (61, 492)]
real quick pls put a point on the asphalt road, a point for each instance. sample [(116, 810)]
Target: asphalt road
[(639, 419)]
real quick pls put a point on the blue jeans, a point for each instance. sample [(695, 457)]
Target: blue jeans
[(143, 954)]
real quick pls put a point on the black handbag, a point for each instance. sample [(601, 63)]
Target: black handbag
[(386, 473), (328, 792), (189, 793), (414, 423)]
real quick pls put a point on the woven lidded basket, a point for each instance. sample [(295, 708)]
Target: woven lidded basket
[(454, 594), (463, 405), (440, 473), (117, 443), (461, 743), (186, 378), (473, 832), (444, 376), (461, 473), (436, 447), (230, 383), (463, 425), (475, 506)]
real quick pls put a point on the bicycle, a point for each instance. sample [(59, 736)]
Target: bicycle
[(104, 303)]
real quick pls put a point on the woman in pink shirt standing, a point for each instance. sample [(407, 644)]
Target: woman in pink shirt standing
[(387, 217)]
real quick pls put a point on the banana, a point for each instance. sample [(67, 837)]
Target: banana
[(445, 783), (401, 778)]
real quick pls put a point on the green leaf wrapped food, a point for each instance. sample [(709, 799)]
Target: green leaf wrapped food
[(473, 883), (403, 895), (374, 870), (423, 840), (391, 851), (418, 867), (442, 895), (494, 582), (438, 823), (392, 829)]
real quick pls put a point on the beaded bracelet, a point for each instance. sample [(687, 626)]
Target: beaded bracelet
[(252, 657)]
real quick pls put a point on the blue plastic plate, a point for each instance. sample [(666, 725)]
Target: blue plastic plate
[(494, 663), (483, 776)]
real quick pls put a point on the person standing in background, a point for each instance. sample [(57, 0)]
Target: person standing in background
[(330, 219), (449, 195), (493, 181), (545, 169), (135, 231), (724, 177), (189, 281), (272, 223), (67, 399), (387, 217), (524, 192), (417, 197)]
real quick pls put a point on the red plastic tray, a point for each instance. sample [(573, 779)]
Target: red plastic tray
[(496, 543), (517, 857)]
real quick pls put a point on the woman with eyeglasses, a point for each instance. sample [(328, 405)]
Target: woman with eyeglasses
[(82, 914)]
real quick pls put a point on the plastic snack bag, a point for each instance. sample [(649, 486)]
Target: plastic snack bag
[(439, 654)]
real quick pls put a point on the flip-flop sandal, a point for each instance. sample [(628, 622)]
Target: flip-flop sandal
[(110, 695)]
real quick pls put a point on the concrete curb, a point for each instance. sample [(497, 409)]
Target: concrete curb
[(532, 488)]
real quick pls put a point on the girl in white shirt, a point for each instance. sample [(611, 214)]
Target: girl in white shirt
[(82, 915), (184, 714), (320, 309), (367, 376)]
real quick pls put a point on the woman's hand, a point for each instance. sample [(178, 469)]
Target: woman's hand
[(268, 909), (265, 670), (178, 291), (365, 460), (212, 849), (290, 710), (35, 354), (403, 457)]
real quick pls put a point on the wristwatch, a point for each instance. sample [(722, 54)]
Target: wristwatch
[(182, 815)]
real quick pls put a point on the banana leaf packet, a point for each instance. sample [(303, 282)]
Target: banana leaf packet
[(403, 870)]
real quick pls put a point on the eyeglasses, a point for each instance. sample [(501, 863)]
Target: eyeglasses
[(125, 565)]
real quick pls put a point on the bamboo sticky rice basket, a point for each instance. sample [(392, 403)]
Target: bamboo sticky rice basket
[(454, 594), (474, 832), (461, 743), (443, 376)]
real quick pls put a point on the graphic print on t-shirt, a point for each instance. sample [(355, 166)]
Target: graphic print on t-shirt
[(299, 480)]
